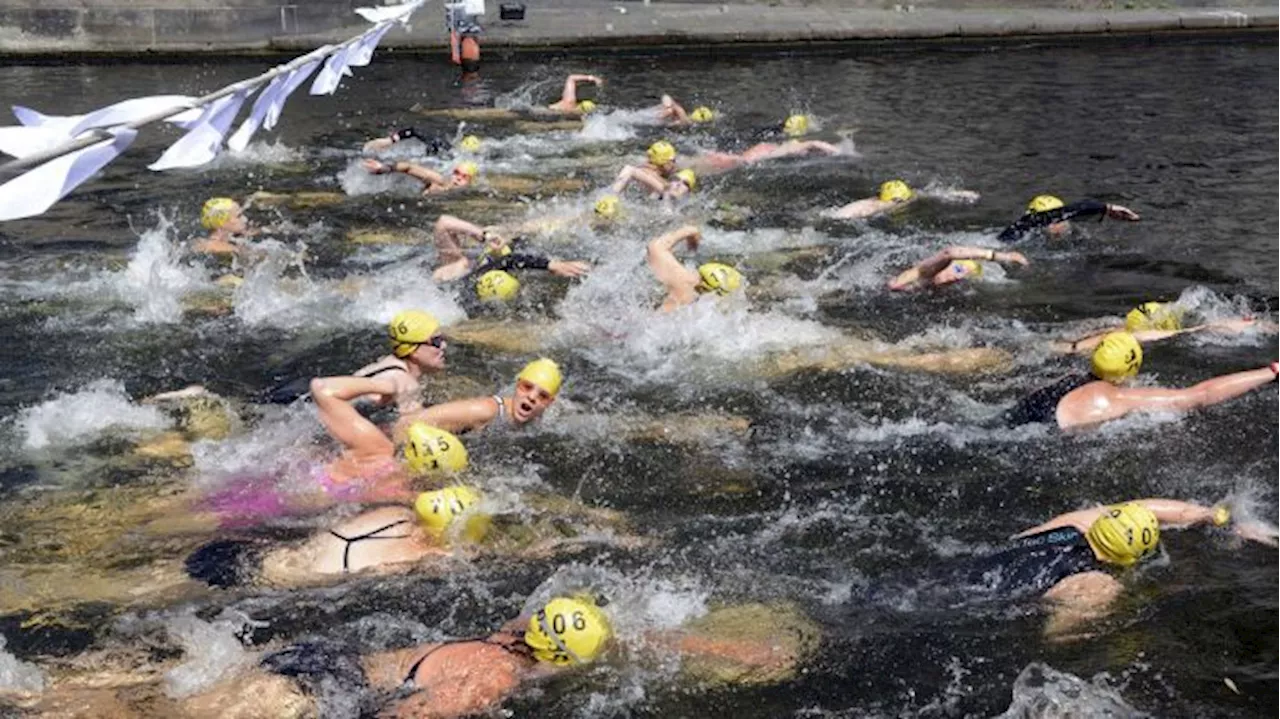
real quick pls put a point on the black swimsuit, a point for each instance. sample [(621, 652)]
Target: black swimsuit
[(1031, 564), (346, 551), (1041, 406), (1035, 220)]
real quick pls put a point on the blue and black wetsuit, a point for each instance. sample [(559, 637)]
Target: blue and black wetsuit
[(1041, 406), (1035, 220), (435, 144), (510, 261), (1028, 565)]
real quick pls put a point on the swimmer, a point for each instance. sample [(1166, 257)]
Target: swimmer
[(1084, 400), (1155, 321), (951, 265), (436, 144), (383, 540), (463, 174), (536, 388), (670, 112), (658, 170), (1072, 561), (568, 104), (681, 184), (1048, 213), (893, 195), (451, 264), (224, 218), (794, 127), (683, 285)]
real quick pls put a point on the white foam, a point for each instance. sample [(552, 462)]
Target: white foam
[(213, 653), (72, 417), (1042, 692), (17, 675)]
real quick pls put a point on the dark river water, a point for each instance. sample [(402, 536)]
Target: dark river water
[(844, 478)]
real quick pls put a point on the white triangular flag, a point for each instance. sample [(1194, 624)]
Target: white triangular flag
[(35, 191), (20, 141), (296, 78), (202, 143), (334, 68), (240, 139), (362, 52), (394, 12)]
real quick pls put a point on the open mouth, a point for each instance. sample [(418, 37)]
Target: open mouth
[(523, 409)]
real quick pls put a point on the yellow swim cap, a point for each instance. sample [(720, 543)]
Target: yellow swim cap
[(437, 510), (689, 178), (1043, 203), (470, 143), (896, 191), (661, 153), (497, 285), (607, 207), (718, 278), (410, 328), (1153, 316), (1124, 534), (544, 373), (217, 212), (586, 107), (468, 168), (796, 125), (1117, 356), (568, 631), (967, 268), (430, 449), (702, 113)]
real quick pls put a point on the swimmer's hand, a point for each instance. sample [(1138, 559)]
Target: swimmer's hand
[(1242, 324), (1119, 212), (375, 167), (1256, 531), (379, 144), (1014, 257), (568, 268)]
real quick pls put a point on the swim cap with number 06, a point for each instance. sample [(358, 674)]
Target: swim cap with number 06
[(497, 286), (1117, 356), (410, 328), (217, 212), (718, 278), (1043, 203), (702, 114), (1124, 533), (470, 143), (568, 631), (661, 153), (796, 125), (543, 373), (431, 449), (895, 191), (1153, 316), (439, 509)]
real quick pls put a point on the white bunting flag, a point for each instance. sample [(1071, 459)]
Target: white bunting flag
[(37, 190), (395, 12), (334, 70), (202, 143), (296, 78), (240, 139), (362, 52)]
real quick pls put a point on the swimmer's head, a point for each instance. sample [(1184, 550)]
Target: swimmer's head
[(431, 449), (1153, 316), (661, 153), (439, 509), (222, 212), (689, 178), (702, 114), (796, 125), (958, 270), (497, 286), (568, 630), (1116, 357), (536, 388), (718, 278), (607, 207), (465, 172), (1043, 203), (895, 191), (411, 329), (586, 107), (470, 143), (1124, 534)]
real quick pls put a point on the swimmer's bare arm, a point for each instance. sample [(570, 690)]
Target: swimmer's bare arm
[(662, 261), (428, 176), (333, 397), (924, 271), (639, 174), (1209, 392), (569, 96), (1087, 343), (673, 112), (457, 416), (1167, 511), (1078, 599)]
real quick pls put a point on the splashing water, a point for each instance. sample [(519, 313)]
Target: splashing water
[(72, 417), (213, 651), (17, 675), (1042, 692)]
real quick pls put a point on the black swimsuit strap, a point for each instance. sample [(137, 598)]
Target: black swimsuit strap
[(346, 551), (518, 648)]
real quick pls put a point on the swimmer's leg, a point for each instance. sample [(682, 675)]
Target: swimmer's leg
[(971, 360)]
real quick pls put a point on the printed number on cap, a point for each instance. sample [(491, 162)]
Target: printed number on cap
[(559, 625)]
